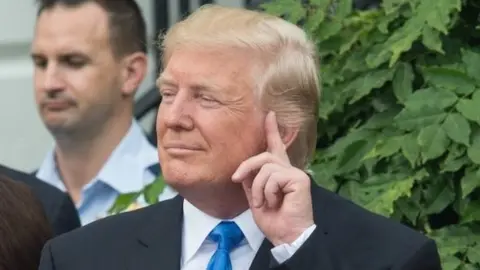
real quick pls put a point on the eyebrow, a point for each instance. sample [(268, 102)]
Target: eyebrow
[(164, 80), (204, 85)]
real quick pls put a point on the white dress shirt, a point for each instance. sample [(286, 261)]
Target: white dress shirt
[(125, 171), (197, 249)]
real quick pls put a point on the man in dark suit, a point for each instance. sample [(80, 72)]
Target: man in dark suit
[(235, 129), (59, 208)]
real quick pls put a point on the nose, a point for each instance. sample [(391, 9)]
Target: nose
[(52, 81), (177, 114)]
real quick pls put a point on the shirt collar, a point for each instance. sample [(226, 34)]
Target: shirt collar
[(124, 169), (197, 225)]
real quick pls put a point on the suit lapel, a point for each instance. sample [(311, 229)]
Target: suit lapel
[(262, 258), (158, 244)]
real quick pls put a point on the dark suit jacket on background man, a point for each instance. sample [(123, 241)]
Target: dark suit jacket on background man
[(58, 206), (347, 237)]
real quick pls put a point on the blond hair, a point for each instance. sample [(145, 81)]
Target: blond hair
[(286, 76)]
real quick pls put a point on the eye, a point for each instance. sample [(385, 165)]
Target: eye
[(207, 98), (40, 62), (208, 101), (167, 95), (75, 62)]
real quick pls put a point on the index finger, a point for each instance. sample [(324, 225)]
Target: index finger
[(274, 139)]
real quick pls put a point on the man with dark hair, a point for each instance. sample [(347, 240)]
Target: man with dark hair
[(90, 58), (58, 206)]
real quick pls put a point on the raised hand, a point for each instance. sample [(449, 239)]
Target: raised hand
[(278, 193)]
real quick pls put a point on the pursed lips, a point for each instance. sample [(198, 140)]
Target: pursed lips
[(181, 146)]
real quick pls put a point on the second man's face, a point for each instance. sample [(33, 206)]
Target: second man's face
[(76, 76)]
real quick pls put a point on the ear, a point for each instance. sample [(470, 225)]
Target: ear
[(288, 134), (134, 70)]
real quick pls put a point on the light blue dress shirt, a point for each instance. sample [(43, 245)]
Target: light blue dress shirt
[(126, 170)]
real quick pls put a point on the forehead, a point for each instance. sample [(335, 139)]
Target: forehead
[(226, 68), (83, 27)]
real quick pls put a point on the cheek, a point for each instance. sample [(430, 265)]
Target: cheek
[(159, 121), (239, 137)]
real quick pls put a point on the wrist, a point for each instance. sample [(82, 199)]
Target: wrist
[(291, 236)]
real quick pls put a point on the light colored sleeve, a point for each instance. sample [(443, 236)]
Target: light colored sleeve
[(283, 252)]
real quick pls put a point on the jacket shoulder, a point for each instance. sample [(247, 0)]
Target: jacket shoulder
[(365, 237), (107, 234)]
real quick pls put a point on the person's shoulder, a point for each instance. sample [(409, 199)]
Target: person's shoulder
[(108, 233), (41, 189), (353, 229)]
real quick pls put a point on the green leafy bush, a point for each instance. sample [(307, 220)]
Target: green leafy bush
[(399, 127), (399, 123)]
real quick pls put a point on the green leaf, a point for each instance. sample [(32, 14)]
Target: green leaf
[(410, 207), (472, 63), (457, 128), (411, 148), (399, 42), (431, 97), (386, 147), (391, 6), (323, 175), (438, 195), (471, 212), (153, 190), (409, 119), (320, 4), (433, 13), (433, 141), (473, 151), (379, 193), (351, 159), (123, 201), (437, 12), (381, 119), (449, 78), (402, 82), (339, 147), (469, 109), (328, 29), (455, 160), (365, 83), (313, 23), (451, 262), (473, 254), (344, 8), (431, 39), (385, 21), (469, 182), (451, 241), (293, 9)]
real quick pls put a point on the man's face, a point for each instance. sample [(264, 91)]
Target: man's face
[(209, 120), (76, 76)]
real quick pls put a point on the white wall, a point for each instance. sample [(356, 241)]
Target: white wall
[(23, 138)]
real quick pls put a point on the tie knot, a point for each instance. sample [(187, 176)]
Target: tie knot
[(227, 234)]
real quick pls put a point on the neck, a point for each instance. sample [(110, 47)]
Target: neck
[(225, 203), (80, 157)]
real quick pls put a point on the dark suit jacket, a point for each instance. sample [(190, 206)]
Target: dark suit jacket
[(346, 238), (58, 206)]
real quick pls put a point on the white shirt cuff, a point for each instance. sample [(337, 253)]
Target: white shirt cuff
[(284, 252)]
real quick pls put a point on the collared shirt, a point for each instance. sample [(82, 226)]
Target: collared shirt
[(126, 170), (197, 249)]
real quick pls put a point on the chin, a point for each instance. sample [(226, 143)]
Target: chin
[(176, 174)]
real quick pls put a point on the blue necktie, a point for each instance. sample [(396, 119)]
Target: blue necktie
[(228, 235)]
